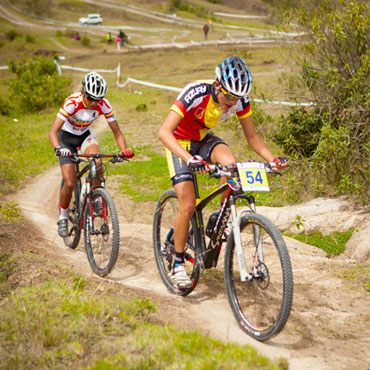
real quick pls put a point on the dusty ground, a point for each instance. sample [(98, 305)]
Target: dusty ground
[(329, 324)]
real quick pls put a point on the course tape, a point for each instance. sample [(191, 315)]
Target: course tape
[(164, 87), (177, 89)]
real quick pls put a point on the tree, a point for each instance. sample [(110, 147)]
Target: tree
[(334, 65)]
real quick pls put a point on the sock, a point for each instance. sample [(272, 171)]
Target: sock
[(179, 258), (63, 213)]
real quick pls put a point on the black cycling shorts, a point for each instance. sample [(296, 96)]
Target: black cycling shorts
[(72, 142), (179, 171)]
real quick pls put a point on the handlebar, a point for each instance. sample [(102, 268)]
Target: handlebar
[(75, 157), (217, 170)]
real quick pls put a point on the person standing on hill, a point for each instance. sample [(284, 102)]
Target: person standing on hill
[(122, 37), (190, 146), (205, 30), (109, 38), (72, 130)]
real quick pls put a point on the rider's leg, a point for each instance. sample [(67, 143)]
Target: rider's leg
[(222, 154), (186, 197), (69, 177)]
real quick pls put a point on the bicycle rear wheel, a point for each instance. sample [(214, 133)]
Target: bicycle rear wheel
[(101, 233), (261, 304), (164, 247), (74, 231)]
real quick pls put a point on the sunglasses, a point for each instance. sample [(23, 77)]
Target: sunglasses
[(229, 96), (91, 99)]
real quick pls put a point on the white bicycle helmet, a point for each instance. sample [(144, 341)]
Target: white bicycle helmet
[(234, 76), (94, 86)]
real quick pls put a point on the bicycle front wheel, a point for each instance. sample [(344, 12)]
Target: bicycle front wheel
[(74, 231), (101, 231), (262, 303), (164, 246)]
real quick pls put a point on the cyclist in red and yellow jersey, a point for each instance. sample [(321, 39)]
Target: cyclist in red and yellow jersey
[(190, 144), (72, 130)]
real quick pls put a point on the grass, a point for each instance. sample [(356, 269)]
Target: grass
[(60, 320), (359, 275), (333, 244), (24, 148)]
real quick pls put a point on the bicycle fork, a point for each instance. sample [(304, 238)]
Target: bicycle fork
[(236, 221)]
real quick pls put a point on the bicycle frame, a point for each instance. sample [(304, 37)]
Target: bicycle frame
[(90, 167), (228, 207)]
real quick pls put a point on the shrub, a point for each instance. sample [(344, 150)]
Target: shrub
[(85, 41), (11, 35), (299, 132), (38, 85), (334, 63)]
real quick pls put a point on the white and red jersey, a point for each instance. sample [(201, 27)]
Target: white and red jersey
[(78, 118)]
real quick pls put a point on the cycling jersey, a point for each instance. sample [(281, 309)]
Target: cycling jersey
[(78, 118), (200, 111)]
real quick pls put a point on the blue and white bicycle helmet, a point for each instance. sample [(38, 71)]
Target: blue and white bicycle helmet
[(234, 76), (94, 86)]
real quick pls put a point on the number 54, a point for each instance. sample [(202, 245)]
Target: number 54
[(253, 176)]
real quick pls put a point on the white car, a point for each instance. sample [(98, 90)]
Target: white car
[(91, 19)]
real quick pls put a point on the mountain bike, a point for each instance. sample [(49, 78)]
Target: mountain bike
[(101, 226), (257, 269)]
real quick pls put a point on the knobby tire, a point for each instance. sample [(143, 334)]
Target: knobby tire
[(164, 248), (262, 305), (101, 233)]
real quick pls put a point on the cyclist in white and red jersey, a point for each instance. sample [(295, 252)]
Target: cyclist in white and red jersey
[(190, 145), (72, 130)]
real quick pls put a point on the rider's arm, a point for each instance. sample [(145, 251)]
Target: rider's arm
[(53, 133), (118, 135), (254, 140), (167, 137)]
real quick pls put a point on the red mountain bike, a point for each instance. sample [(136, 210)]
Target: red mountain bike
[(101, 228)]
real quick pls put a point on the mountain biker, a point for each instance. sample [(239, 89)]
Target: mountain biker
[(191, 146), (72, 130)]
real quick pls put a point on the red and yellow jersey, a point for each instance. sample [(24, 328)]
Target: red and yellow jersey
[(200, 111), (78, 118)]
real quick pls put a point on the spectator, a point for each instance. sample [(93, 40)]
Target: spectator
[(205, 29), (109, 38), (77, 36), (122, 37), (118, 41)]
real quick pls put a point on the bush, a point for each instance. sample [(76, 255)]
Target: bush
[(334, 60), (38, 85), (85, 41), (299, 132), (11, 35)]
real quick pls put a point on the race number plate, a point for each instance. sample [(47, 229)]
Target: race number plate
[(253, 176)]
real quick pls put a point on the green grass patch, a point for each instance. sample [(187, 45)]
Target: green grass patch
[(25, 149), (60, 320), (358, 276), (332, 244)]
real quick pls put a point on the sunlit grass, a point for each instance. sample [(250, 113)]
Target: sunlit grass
[(60, 320)]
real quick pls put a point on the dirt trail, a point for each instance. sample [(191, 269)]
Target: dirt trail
[(328, 327)]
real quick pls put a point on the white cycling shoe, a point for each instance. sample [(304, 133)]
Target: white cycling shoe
[(180, 277)]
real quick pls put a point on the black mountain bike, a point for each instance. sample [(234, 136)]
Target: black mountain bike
[(101, 227), (257, 270)]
